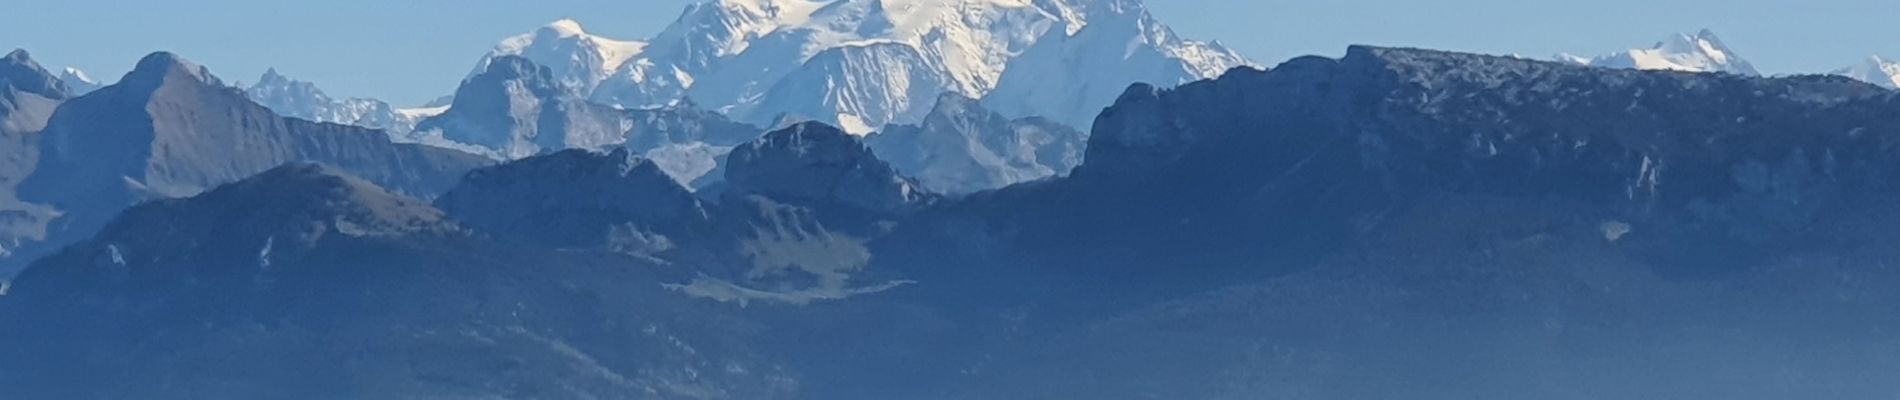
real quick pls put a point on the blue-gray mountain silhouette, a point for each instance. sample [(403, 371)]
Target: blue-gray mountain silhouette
[(1396, 223)]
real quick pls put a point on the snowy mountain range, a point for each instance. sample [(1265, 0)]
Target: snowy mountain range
[(1704, 52), (517, 108), (864, 64), (1699, 52), (299, 99)]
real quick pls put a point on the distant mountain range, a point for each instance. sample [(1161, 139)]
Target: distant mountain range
[(1704, 52), (588, 72), (1700, 52), (977, 199), (172, 129), (1395, 223), (303, 100)]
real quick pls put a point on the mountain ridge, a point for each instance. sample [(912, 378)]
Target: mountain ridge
[(170, 128)]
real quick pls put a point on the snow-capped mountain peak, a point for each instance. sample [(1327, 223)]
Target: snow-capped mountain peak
[(566, 27), (1875, 70), (732, 53), (863, 64), (577, 58), (1063, 76), (78, 81), (1699, 52)]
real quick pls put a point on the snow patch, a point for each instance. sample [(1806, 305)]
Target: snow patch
[(854, 125), (419, 113), (118, 258), (263, 255), (727, 292), (688, 163), (566, 27)]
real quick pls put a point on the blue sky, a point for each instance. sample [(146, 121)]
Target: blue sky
[(409, 51)]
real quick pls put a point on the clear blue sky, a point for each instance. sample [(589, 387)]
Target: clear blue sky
[(409, 51)]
